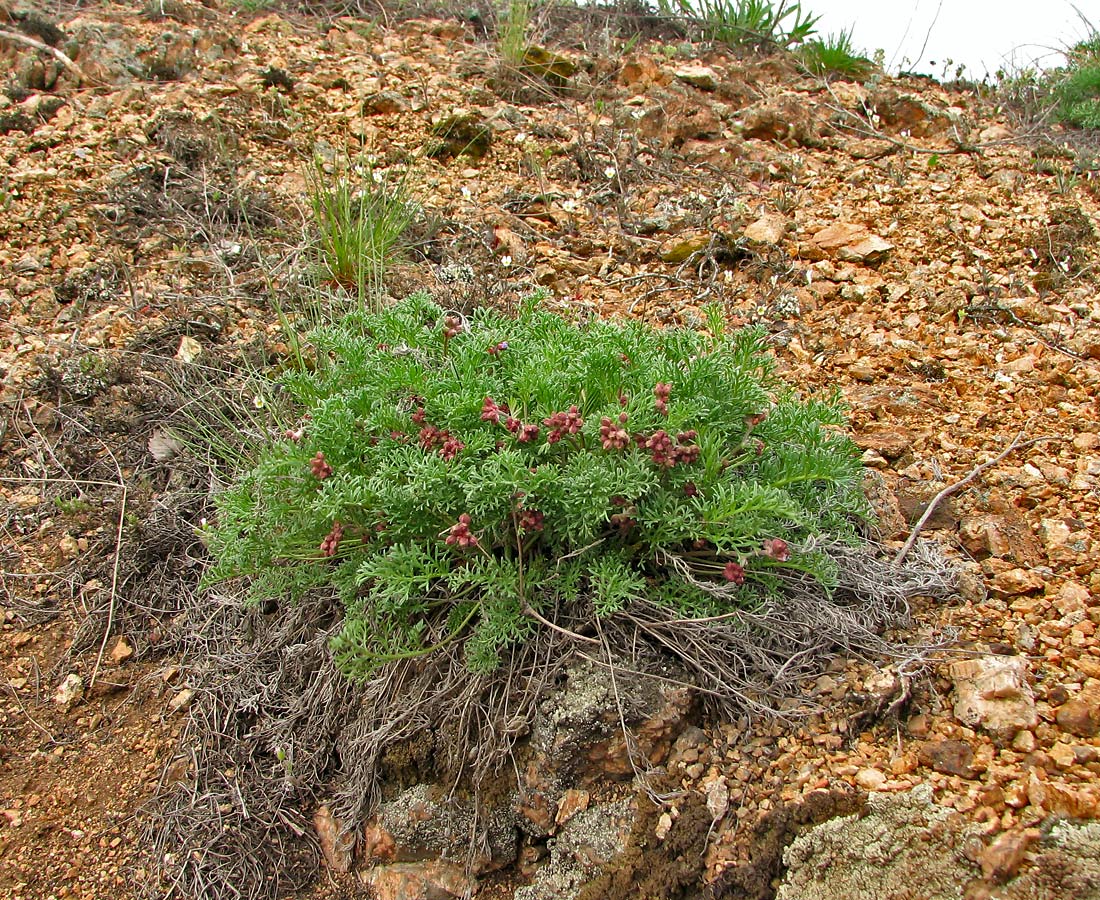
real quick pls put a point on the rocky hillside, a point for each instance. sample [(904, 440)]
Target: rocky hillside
[(912, 245)]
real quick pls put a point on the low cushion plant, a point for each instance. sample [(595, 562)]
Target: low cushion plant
[(473, 478)]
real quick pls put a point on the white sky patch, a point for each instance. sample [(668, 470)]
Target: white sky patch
[(983, 35)]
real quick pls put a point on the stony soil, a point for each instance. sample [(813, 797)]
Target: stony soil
[(904, 242)]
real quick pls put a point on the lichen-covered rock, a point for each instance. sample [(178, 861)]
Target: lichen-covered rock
[(907, 846), (590, 840), (1067, 865), (787, 121), (425, 823), (459, 135), (553, 68), (880, 854), (578, 735)]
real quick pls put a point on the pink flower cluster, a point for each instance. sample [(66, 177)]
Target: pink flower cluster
[(452, 325), (530, 520), (432, 438), (734, 572), (331, 542), (613, 436), (777, 549), (319, 468), (563, 423), (662, 391), (665, 453), (492, 412), (459, 534)]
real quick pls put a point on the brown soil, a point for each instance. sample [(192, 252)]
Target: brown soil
[(163, 204)]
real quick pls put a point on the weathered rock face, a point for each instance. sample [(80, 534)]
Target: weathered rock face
[(588, 841), (993, 692), (786, 121), (907, 846), (578, 736), (431, 842), (431, 880), (877, 855), (851, 243), (425, 823)]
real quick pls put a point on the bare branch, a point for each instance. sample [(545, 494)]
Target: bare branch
[(62, 58), (1017, 444)]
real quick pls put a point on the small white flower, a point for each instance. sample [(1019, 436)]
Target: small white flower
[(466, 192), (258, 402), (377, 176), (203, 523), (520, 137), (610, 172), (506, 261)]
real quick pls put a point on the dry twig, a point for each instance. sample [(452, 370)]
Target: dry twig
[(1017, 444), (62, 58)]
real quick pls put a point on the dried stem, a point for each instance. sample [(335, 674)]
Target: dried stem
[(1017, 444), (62, 58)]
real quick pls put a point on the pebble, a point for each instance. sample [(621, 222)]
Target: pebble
[(870, 779)]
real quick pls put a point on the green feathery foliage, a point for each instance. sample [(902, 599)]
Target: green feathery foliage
[(1078, 96), (469, 479)]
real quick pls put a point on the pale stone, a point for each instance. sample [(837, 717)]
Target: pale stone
[(70, 691), (768, 229), (702, 77), (994, 133), (432, 880), (1014, 582), (869, 250), (1024, 742), (993, 692), (189, 350), (870, 779), (121, 651), (1063, 755), (337, 844)]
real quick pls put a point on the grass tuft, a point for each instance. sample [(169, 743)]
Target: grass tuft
[(760, 24), (512, 32), (361, 217), (835, 55)]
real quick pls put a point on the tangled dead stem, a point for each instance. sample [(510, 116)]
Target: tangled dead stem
[(275, 726)]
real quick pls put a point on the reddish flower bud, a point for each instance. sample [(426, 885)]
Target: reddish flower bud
[(733, 572), (319, 468), (777, 549), (459, 534), (331, 542), (490, 412)]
